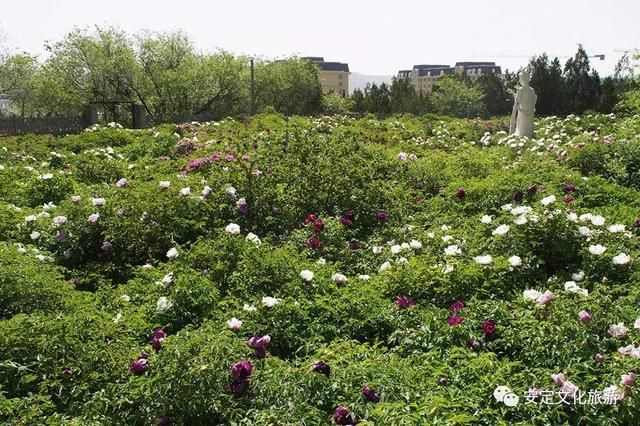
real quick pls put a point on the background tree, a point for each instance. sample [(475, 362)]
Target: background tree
[(582, 88), (336, 104), (290, 86), (547, 81), (403, 97), (452, 97), (497, 100)]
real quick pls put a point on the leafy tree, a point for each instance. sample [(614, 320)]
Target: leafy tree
[(582, 88), (547, 81), (333, 103), (377, 99), (291, 86), (452, 97), (497, 100), (358, 100), (403, 97), (18, 75)]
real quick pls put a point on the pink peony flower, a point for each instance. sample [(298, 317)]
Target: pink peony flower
[(628, 379), (546, 297), (404, 302), (584, 316), (558, 379), (455, 320)]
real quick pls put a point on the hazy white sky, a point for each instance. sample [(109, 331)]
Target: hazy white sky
[(374, 37)]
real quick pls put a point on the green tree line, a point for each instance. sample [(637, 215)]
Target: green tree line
[(166, 74)]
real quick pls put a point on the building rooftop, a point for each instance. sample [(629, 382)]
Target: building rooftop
[(425, 67), (435, 71), (327, 66), (474, 64)]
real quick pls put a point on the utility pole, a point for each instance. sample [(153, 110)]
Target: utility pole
[(253, 89)]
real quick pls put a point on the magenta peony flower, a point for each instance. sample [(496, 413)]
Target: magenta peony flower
[(569, 187), (241, 372), (144, 355), (584, 316), (628, 379), (489, 327), (342, 416), (382, 215), (457, 306), (318, 226), (370, 395), (405, 302), (569, 199), (194, 165), (455, 320), (558, 379), (259, 345), (460, 193), (311, 217), (314, 243), (229, 157), (321, 367), (241, 204), (139, 366)]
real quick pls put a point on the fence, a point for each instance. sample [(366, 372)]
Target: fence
[(54, 126)]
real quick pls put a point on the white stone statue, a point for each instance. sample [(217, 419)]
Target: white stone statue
[(524, 106)]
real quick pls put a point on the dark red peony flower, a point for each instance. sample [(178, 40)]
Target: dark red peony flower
[(370, 395), (342, 416), (404, 302), (382, 215), (455, 320), (569, 198), (518, 196), (460, 193), (355, 245), (569, 187), (532, 189), (457, 306), (318, 226), (321, 367), (489, 327), (314, 243)]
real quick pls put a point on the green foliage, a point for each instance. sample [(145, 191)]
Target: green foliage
[(345, 241), (451, 97)]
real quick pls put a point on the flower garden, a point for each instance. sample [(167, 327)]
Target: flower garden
[(316, 271)]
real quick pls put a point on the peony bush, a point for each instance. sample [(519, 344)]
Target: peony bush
[(322, 270)]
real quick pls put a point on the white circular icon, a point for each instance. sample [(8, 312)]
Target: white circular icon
[(500, 392), (511, 399)]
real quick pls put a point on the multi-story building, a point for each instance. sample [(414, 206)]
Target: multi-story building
[(334, 76), (424, 76)]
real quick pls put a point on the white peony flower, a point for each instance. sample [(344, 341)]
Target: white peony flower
[(31, 218), (452, 250), (586, 217), (597, 220), (233, 229), (486, 219), (597, 249), (339, 278), (444, 228), (621, 259), (520, 220), (618, 330), (172, 253), (377, 249), (270, 302), (501, 230), (364, 277), (548, 200), (616, 228), (98, 202), (306, 275), (447, 238), (167, 279), (636, 324), (521, 210), (234, 324), (163, 305), (34, 235), (147, 266), (577, 276), (59, 220), (385, 266), (584, 231), (164, 184), (322, 261), (125, 298), (415, 245), (396, 249), (230, 191), (185, 192), (532, 295), (483, 260), (572, 217), (249, 308), (253, 238), (515, 261)]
